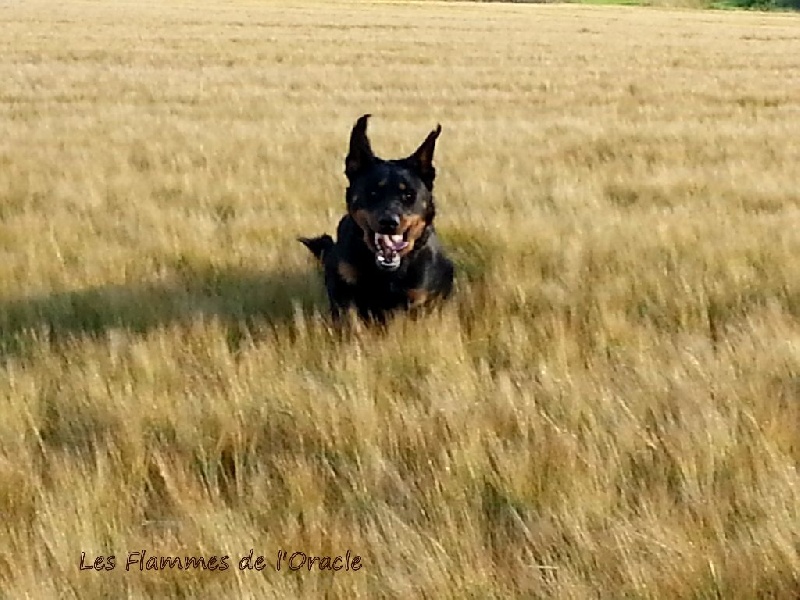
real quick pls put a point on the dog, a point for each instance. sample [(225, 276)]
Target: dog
[(386, 257)]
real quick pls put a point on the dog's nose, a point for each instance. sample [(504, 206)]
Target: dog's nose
[(388, 223)]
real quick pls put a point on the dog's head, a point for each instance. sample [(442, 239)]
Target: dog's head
[(391, 200)]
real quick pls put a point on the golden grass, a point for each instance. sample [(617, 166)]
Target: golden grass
[(610, 406)]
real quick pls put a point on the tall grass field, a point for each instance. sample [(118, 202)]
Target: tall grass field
[(608, 407)]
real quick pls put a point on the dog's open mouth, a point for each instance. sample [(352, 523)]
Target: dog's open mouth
[(387, 250)]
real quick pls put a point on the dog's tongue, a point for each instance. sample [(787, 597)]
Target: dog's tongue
[(388, 247), (390, 242)]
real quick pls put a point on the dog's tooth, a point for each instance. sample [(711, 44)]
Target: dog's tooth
[(397, 238)]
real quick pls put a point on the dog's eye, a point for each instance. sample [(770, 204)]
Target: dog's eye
[(409, 197)]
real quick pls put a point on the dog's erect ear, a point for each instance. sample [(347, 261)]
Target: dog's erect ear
[(422, 159), (360, 155), (319, 246)]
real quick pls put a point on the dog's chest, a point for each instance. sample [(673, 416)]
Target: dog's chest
[(381, 291)]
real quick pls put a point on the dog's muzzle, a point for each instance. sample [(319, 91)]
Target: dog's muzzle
[(388, 248)]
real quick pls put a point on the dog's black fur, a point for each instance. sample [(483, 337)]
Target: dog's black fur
[(386, 256)]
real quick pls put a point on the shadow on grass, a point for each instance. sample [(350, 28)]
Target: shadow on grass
[(240, 298)]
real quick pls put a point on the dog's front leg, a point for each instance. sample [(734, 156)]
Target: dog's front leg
[(417, 297), (340, 304), (432, 287), (340, 297)]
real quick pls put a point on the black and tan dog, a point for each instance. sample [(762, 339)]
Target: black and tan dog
[(386, 256)]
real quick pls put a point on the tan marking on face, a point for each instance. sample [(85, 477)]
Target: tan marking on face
[(417, 297), (347, 272), (412, 226), (402, 186), (362, 219)]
